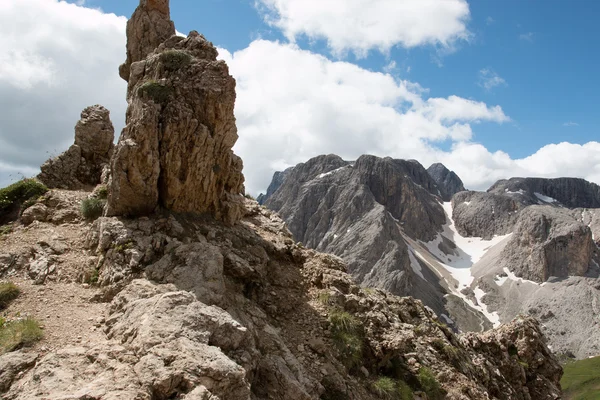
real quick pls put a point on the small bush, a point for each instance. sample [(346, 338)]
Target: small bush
[(430, 384), (8, 292), (249, 196), (385, 388), (388, 388), (5, 229), (347, 335), (92, 208), (102, 192), (17, 334), (26, 191), (158, 93), (175, 59), (342, 321)]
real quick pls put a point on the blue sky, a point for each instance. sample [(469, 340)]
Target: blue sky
[(492, 89), (546, 51)]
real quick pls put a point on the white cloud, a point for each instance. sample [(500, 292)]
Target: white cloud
[(292, 104), (527, 37), (362, 25), (570, 123), (489, 21), (488, 79), (56, 59)]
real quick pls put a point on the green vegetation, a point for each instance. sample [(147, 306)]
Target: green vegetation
[(346, 331), (391, 389), (94, 276), (5, 229), (8, 292), (92, 208), (102, 192), (124, 246), (175, 59), (249, 196), (17, 334), (324, 298), (429, 384), (158, 93), (25, 192), (581, 379)]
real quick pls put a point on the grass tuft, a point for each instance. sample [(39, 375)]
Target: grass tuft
[(153, 90), (581, 379), (17, 334), (429, 384), (175, 59), (19, 194), (347, 335), (8, 292), (390, 389), (92, 208)]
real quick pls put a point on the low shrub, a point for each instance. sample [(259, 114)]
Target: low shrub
[(17, 334), (13, 197), (175, 59), (391, 389), (8, 292), (346, 331), (102, 192), (385, 388), (429, 384), (92, 208), (158, 93)]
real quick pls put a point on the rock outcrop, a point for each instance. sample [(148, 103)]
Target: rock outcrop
[(175, 151), (83, 164), (278, 179), (570, 192), (549, 242), (149, 26), (448, 182)]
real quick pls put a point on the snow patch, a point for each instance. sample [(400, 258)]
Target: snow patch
[(513, 277), (545, 199), (332, 172), (500, 280), (467, 203), (493, 317), (414, 263)]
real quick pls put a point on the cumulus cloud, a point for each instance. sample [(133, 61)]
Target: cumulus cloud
[(57, 58), (489, 79), (291, 105), (362, 25)]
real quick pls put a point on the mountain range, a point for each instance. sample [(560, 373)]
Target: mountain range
[(477, 259)]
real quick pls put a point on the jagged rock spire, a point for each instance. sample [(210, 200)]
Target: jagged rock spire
[(175, 151), (149, 26)]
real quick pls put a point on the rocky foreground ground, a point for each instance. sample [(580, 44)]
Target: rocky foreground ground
[(188, 307)]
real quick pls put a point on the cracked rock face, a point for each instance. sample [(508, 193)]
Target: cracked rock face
[(448, 182), (83, 163), (175, 151)]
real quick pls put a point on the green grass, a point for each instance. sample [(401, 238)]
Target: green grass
[(8, 292), (391, 389), (429, 384), (26, 191), (160, 94), (346, 331), (581, 379), (92, 208), (102, 192), (175, 59), (17, 334)]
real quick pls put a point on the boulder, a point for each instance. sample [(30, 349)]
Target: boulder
[(83, 163)]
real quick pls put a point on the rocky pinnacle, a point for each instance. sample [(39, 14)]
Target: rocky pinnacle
[(175, 151)]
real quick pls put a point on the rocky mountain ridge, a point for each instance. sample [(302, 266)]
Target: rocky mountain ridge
[(483, 239)]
